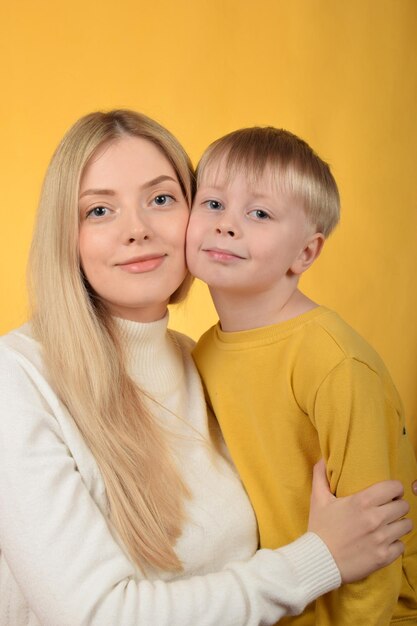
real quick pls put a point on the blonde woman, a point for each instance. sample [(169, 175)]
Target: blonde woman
[(118, 502)]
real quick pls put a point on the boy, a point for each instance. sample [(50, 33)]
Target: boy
[(288, 380)]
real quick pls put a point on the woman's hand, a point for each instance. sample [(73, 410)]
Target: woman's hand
[(362, 531)]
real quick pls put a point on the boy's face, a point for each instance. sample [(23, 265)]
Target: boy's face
[(245, 238)]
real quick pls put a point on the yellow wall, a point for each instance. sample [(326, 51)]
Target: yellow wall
[(341, 74)]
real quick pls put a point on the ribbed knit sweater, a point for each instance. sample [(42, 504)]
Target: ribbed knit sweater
[(60, 563)]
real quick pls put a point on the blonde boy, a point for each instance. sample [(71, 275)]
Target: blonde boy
[(288, 379)]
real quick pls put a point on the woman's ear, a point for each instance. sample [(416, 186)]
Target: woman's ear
[(312, 248)]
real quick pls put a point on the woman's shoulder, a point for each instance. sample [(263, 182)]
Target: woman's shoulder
[(20, 346), (184, 341), (20, 341), (18, 337), (22, 367)]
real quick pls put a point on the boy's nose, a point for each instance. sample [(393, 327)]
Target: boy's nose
[(225, 231), (227, 226)]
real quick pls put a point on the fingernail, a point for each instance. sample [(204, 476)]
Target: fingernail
[(414, 487)]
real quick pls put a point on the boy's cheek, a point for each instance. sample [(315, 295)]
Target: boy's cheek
[(195, 260), (190, 251), (194, 235)]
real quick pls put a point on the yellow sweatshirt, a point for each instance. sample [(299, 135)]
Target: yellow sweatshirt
[(287, 394)]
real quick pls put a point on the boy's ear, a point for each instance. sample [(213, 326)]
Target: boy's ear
[(307, 256)]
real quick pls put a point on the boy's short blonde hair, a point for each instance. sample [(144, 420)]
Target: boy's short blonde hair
[(294, 166)]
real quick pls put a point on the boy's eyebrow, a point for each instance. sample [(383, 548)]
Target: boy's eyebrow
[(254, 195), (110, 192), (257, 195)]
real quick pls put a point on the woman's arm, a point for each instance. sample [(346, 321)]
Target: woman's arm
[(72, 572), (362, 531)]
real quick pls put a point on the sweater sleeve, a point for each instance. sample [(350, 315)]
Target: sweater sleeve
[(59, 548), (358, 431)]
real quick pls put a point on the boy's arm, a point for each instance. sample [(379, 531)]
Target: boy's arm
[(358, 432)]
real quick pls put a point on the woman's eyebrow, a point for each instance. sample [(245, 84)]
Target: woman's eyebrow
[(157, 180), (97, 192), (110, 192)]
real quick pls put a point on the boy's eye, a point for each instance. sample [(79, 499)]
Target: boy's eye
[(259, 214), (213, 204), (98, 211), (163, 200)]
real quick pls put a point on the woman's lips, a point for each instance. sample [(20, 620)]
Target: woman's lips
[(142, 264)]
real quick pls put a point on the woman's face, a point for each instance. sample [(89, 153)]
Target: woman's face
[(133, 219)]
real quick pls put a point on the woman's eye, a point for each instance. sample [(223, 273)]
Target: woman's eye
[(259, 214), (98, 211), (163, 200), (213, 204)]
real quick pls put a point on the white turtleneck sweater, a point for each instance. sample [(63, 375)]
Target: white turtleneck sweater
[(60, 563)]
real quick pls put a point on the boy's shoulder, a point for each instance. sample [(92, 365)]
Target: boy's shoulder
[(316, 342), (329, 343), (331, 336), (320, 332), (208, 336)]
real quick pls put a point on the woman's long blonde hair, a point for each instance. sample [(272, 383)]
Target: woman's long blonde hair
[(83, 354)]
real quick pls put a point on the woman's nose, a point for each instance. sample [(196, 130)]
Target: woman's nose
[(136, 228)]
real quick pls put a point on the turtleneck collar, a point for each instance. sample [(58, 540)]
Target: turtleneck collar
[(154, 357)]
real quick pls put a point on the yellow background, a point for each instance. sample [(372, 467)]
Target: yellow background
[(341, 74)]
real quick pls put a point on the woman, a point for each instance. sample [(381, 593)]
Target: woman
[(118, 503)]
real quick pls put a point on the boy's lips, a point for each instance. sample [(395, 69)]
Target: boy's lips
[(139, 264), (222, 254)]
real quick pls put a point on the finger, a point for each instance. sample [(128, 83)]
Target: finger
[(395, 550), (382, 492), (398, 529), (414, 487), (393, 510), (320, 489)]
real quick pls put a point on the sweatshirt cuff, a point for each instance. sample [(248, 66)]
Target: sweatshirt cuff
[(313, 565)]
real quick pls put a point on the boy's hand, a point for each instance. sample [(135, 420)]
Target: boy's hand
[(362, 531)]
